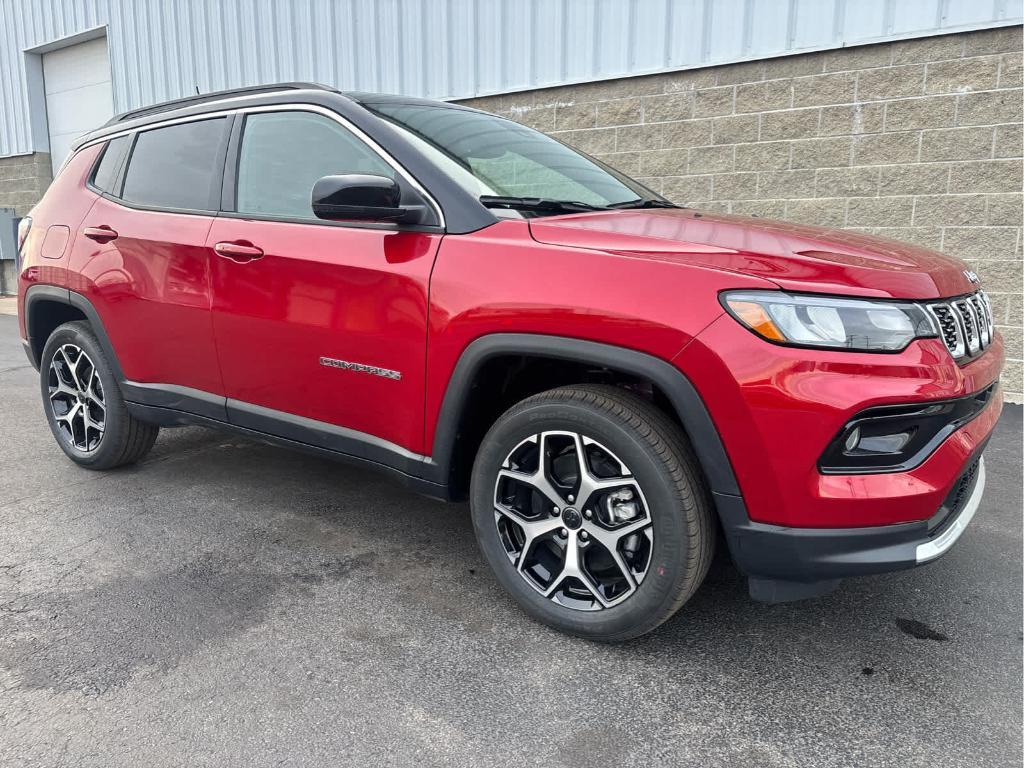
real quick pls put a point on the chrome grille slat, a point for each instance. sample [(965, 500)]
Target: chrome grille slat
[(966, 324), (981, 315)]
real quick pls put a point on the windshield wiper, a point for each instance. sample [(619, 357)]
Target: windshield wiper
[(643, 202), (538, 204)]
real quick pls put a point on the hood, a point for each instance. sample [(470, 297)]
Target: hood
[(795, 257)]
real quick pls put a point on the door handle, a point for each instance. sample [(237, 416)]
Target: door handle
[(240, 252), (101, 234)]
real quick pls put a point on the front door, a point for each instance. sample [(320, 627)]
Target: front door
[(320, 327)]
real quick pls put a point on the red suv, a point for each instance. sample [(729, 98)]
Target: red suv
[(614, 382)]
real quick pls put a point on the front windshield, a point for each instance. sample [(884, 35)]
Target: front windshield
[(493, 156)]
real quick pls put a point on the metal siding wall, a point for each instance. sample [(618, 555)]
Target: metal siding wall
[(163, 49)]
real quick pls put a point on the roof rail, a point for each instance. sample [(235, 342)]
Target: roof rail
[(190, 101)]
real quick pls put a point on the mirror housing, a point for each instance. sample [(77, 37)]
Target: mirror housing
[(362, 197)]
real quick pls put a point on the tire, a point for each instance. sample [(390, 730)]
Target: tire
[(627, 440), (101, 433)]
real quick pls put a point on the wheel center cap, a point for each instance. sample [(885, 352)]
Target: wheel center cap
[(571, 518)]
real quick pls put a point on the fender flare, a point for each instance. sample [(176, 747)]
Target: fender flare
[(36, 293), (681, 393)]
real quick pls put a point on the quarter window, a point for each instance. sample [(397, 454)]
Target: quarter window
[(285, 153), (176, 166), (106, 172)]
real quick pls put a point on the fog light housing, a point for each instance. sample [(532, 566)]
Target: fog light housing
[(896, 438)]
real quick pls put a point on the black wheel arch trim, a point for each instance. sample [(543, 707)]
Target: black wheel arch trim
[(36, 293), (683, 396)]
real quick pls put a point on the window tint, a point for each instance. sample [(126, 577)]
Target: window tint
[(110, 164), (175, 167), (500, 157), (285, 153)]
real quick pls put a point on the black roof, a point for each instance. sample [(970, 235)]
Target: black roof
[(360, 97), (198, 99)]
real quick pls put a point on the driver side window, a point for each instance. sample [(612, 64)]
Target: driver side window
[(284, 154)]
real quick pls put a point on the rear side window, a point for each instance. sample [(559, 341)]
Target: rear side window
[(285, 153), (176, 166), (110, 163)]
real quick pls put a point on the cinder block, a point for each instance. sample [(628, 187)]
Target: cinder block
[(846, 182), (989, 107), (822, 153), (890, 82), (759, 97), (981, 242), (735, 129), (923, 179), (957, 144), (763, 156), (669, 106), (886, 148), (572, 117), (959, 76), (709, 102), (1003, 210), (915, 114), (643, 137), (819, 90), (687, 133), (618, 112), (735, 186), (949, 210), (712, 159), (824, 212), (880, 211), (664, 162), (785, 185), (1002, 40), (852, 119), (927, 49), (986, 176), (686, 189), (790, 124)]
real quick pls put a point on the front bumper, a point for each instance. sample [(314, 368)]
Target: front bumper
[(796, 563)]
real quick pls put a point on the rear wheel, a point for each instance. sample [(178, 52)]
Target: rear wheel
[(83, 403), (589, 506)]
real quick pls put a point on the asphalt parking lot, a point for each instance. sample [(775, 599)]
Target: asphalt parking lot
[(229, 603)]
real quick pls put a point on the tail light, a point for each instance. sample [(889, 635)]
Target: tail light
[(24, 227)]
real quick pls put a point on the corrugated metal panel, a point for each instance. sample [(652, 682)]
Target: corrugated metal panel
[(162, 49)]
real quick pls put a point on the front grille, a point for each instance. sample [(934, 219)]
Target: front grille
[(965, 324)]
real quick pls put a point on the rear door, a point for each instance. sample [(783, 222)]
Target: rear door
[(142, 261), (321, 327)]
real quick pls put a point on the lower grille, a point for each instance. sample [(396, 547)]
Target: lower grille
[(956, 500)]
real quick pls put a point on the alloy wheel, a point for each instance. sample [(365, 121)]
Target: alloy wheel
[(76, 398), (573, 520)]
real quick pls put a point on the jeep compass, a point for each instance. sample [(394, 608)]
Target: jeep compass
[(616, 384)]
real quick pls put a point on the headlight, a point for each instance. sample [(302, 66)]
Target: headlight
[(804, 320)]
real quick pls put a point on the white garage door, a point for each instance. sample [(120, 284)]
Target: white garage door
[(78, 93)]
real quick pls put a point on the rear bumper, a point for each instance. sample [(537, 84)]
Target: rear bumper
[(795, 563)]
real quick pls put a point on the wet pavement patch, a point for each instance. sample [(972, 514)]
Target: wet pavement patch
[(920, 630), (97, 639)]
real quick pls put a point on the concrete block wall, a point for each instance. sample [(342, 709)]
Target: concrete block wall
[(23, 180), (917, 140)]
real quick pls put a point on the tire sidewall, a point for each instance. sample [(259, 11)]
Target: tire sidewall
[(666, 574), (115, 417)]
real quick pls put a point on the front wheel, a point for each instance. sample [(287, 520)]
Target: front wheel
[(589, 505), (83, 403)]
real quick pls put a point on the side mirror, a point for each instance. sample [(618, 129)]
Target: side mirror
[(359, 197)]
